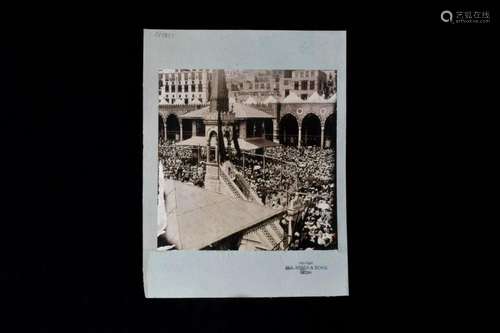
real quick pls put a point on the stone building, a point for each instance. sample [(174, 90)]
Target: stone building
[(289, 120), (184, 86), (278, 83)]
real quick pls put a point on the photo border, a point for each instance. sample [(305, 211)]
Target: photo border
[(180, 274)]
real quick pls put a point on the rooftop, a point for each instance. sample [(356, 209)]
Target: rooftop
[(197, 218)]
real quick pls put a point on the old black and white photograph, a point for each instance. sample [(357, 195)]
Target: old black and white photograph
[(247, 159)]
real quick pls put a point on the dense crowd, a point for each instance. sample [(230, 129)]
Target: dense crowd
[(306, 173), (181, 163)]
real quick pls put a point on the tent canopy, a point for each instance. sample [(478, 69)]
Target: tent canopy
[(197, 218), (245, 144), (241, 111), (292, 98), (315, 98)]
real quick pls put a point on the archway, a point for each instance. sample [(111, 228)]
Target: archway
[(255, 127), (161, 130), (268, 129), (289, 130), (212, 147), (173, 128), (187, 125), (311, 130), (330, 132)]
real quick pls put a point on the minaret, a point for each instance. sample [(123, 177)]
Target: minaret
[(219, 120), (219, 123), (219, 100)]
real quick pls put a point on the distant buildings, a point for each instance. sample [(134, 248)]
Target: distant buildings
[(184, 86), (279, 83), (294, 107)]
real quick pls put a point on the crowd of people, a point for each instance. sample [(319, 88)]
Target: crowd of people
[(181, 163), (306, 175), (306, 172)]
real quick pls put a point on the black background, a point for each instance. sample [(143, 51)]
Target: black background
[(420, 142)]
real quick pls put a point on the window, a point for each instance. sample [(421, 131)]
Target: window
[(185, 87), (167, 88), (161, 83), (287, 92), (311, 85), (301, 74), (303, 96), (168, 100), (307, 73), (200, 87), (179, 88), (286, 82), (303, 85), (268, 86), (288, 74), (193, 87), (262, 86), (173, 88), (296, 85)]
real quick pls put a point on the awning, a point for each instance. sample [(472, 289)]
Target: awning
[(255, 143), (241, 111), (195, 141), (197, 218), (245, 144), (196, 114)]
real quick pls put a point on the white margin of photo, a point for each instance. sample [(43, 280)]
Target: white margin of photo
[(213, 274)]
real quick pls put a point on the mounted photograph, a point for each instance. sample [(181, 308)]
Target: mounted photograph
[(247, 159)]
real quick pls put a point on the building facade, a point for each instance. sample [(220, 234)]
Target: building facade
[(305, 82), (305, 119), (278, 83), (184, 86)]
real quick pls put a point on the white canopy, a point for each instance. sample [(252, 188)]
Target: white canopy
[(250, 100), (179, 101), (195, 101), (332, 99), (292, 98), (163, 101), (315, 98), (270, 100)]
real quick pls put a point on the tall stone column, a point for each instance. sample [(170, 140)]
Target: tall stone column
[(275, 131), (300, 136), (322, 136), (180, 125), (243, 129), (193, 127)]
